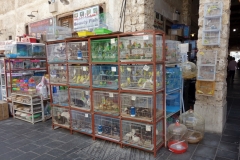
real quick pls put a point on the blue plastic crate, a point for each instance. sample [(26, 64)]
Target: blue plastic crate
[(173, 102)]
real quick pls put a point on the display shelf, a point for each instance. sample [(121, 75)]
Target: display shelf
[(102, 98), (28, 111)]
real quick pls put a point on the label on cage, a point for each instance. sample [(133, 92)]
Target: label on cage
[(62, 67), (145, 37), (133, 98), (114, 69), (87, 93), (86, 115), (60, 44), (84, 68), (112, 41), (129, 69), (83, 43), (110, 94), (148, 128), (146, 68)]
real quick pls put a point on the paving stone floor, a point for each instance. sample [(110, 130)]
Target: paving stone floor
[(20, 140)]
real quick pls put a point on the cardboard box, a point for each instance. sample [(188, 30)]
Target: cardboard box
[(176, 32), (4, 113)]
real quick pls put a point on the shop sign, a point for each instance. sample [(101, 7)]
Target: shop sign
[(4, 45), (40, 27), (86, 19)]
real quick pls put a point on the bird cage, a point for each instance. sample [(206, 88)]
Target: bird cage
[(106, 23)]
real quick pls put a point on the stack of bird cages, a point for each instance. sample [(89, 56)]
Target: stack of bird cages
[(58, 73), (107, 127), (105, 76), (79, 75), (106, 102), (61, 116), (140, 77), (81, 121), (139, 48), (77, 51), (138, 134), (80, 99), (38, 50), (56, 53)]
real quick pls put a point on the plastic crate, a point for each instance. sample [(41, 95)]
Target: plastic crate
[(107, 127), (58, 33), (61, 116), (140, 77), (173, 78), (206, 73), (106, 102), (81, 121), (207, 57), (172, 51), (20, 49), (139, 48), (213, 9), (140, 106), (105, 76), (80, 98), (104, 50), (137, 134), (173, 102), (38, 50), (79, 75), (77, 52), (58, 73), (211, 38), (205, 88), (212, 24), (56, 53)]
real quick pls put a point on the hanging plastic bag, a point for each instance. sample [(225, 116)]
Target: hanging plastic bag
[(42, 88)]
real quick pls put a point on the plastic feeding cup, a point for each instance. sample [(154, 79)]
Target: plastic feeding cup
[(195, 125), (177, 142)]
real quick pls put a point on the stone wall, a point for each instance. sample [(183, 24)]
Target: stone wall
[(213, 109)]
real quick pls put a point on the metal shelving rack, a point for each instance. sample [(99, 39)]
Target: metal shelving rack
[(32, 105), (95, 114)]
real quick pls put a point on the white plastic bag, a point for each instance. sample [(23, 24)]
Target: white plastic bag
[(42, 88)]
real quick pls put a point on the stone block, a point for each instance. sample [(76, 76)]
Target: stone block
[(140, 1)]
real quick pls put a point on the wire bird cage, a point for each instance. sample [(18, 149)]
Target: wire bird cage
[(77, 51), (106, 24), (58, 33), (79, 75), (56, 53), (80, 98), (58, 73), (81, 121), (61, 116)]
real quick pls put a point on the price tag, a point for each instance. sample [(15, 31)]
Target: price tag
[(133, 98), (87, 93), (84, 68), (112, 41), (146, 68), (83, 43), (86, 115), (61, 44), (114, 69), (74, 71), (145, 37), (129, 69), (62, 67), (110, 94), (148, 128)]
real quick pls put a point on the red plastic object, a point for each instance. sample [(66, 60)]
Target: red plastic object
[(177, 151)]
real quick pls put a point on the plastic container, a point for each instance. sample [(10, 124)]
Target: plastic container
[(104, 50), (139, 48), (177, 138), (20, 49), (195, 125), (85, 33)]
